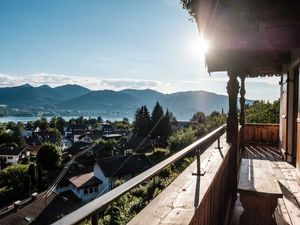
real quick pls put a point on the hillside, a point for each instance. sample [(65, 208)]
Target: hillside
[(75, 97)]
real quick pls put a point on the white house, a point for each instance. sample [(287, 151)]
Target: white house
[(86, 186), (91, 182), (83, 137), (13, 155)]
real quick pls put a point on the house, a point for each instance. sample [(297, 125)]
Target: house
[(76, 130), (95, 135), (139, 144), (39, 209), (13, 155), (107, 128), (85, 185), (120, 167), (106, 131), (37, 138), (81, 181), (77, 147), (27, 133), (85, 137)]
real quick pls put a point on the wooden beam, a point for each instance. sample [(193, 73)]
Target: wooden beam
[(232, 120)]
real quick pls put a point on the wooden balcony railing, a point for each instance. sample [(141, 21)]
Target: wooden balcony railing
[(198, 199), (216, 202), (220, 184), (261, 133)]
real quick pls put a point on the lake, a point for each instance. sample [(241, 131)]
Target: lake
[(25, 119)]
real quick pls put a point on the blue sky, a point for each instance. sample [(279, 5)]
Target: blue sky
[(108, 44)]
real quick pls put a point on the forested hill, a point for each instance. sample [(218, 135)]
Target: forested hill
[(75, 97)]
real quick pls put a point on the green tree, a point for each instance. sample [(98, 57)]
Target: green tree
[(157, 119), (42, 123), (49, 156), (142, 122), (52, 123), (29, 125), (123, 124), (60, 123), (262, 112), (198, 117), (181, 139), (32, 176), (14, 179)]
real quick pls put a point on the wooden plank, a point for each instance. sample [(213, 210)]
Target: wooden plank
[(257, 177), (261, 133), (288, 205)]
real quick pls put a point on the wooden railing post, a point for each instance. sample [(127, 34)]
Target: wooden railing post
[(242, 110), (232, 120)]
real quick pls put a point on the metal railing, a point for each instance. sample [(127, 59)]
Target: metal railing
[(91, 209)]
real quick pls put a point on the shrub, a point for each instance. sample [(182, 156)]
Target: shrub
[(181, 139)]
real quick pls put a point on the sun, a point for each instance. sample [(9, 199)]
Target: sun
[(199, 46)]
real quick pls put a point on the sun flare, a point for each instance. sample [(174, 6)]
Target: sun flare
[(199, 46)]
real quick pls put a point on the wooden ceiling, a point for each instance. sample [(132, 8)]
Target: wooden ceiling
[(250, 37)]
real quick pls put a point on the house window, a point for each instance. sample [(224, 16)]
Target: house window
[(95, 189), (10, 157), (86, 191), (91, 190)]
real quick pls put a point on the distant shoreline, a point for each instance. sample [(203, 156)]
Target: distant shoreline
[(25, 119)]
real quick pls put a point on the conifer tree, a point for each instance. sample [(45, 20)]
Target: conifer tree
[(141, 124), (157, 118)]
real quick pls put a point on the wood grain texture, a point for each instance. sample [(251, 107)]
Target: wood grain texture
[(288, 209), (261, 133), (298, 148), (257, 178)]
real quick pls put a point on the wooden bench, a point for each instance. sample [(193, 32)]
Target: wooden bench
[(259, 191)]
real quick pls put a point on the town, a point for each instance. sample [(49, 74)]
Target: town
[(73, 162)]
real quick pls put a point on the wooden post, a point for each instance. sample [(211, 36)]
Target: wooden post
[(242, 100), (232, 120), (242, 110)]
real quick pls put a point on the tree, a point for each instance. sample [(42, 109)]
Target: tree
[(60, 123), (41, 123), (262, 112), (99, 119), (181, 139), (49, 156), (157, 117), (52, 123), (12, 138), (32, 176), (123, 125), (142, 122), (14, 178), (198, 117), (29, 125), (214, 120)]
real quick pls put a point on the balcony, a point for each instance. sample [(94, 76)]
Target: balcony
[(210, 198)]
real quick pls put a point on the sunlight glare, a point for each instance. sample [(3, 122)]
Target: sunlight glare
[(199, 46)]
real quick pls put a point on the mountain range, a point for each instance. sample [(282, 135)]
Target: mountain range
[(75, 97)]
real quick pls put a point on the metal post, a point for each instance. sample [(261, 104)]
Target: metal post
[(95, 219), (200, 172), (219, 143)]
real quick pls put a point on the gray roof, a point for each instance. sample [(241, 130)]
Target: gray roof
[(12, 150)]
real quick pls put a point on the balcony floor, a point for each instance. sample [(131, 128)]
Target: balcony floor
[(288, 210)]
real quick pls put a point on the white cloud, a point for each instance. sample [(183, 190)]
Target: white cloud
[(93, 83)]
